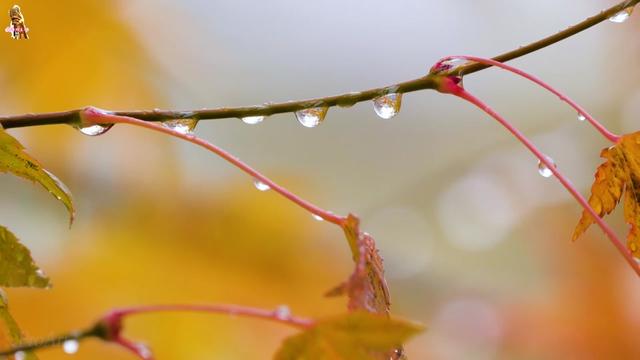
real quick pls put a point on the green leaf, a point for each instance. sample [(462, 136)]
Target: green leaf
[(13, 159), (358, 335), (16, 265), (11, 326)]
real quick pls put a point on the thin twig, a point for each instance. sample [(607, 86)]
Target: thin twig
[(348, 99), (454, 89), (96, 116)]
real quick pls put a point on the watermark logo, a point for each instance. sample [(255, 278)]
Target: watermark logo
[(17, 27)]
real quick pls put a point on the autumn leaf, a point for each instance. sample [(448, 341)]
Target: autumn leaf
[(354, 336), (618, 175), (13, 159), (16, 265), (366, 287)]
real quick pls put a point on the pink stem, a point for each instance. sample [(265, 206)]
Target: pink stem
[(458, 91), (272, 315), (581, 111), (97, 116)]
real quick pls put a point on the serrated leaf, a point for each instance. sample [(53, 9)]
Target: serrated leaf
[(16, 264), (358, 335), (366, 287), (11, 326), (618, 175), (15, 160)]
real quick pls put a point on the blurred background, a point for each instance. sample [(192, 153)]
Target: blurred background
[(476, 243)]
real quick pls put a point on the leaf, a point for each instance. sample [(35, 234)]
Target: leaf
[(16, 265), (618, 175), (13, 159), (357, 335), (12, 327), (366, 287)]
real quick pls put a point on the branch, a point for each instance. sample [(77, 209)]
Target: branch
[(427, 82), (109, 328), (451, 87)]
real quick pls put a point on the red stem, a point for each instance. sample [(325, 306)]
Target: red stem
[(96, 116), (603, 130), (272, 315), (460, 92)]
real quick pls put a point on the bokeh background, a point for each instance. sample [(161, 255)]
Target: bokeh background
[(477, 244)]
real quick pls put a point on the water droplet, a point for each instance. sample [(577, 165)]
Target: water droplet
[(448, 65), (387, 106), (143, 351), (95, 129), (260, 185), (20, 355), (183, 126), (581, 117), (317, 217), (311, 117), (283, 312), (71, 346), (544, 170), (252, 120), (622, 16)]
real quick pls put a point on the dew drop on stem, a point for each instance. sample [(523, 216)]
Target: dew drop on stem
[(252, 120), (622, 16), (182, 126), (260, 185), (317, 217), (20, 355), (282, 312), (387, 106), (581, 117), (70, 346), (544, 170), (94, 130), (311, 117)]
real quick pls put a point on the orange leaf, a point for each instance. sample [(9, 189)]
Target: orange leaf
[(619, 174)]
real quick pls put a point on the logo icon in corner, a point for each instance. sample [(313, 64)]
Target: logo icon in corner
[(17, 27)]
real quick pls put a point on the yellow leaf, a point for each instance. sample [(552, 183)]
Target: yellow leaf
[(13, 159), (619, 174), (354, 336), (16, 265)]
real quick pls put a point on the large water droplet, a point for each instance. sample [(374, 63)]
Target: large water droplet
[(252, 120), (448, 65), (260, 185), (581, 117), (622, 16), (387, 106), (20, 355), (544, 170), (283, 312), (317, 217), (311, 117), (183, 126), (95, 129), (71, 346)]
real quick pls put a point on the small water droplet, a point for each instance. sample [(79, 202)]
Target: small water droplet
[(317, 217), (622, 16), (387, 106), (95, 129), (143, 351), (311, 117), (20, 355), (71, 346), (260, 185), (448, 65), (252, 120), (283, 312), (183, 126), (544, 170), (581, 117)]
